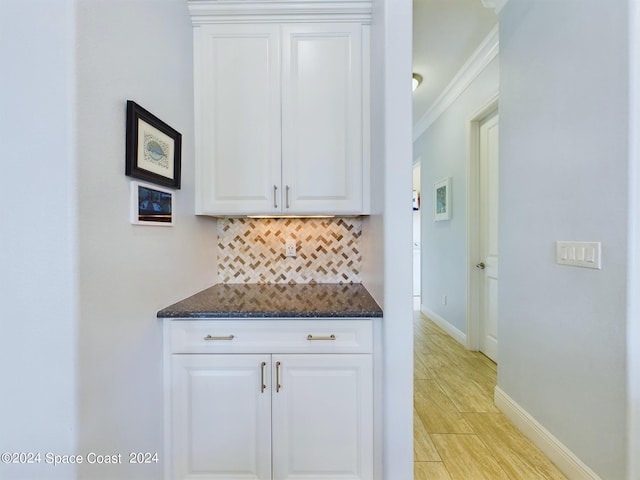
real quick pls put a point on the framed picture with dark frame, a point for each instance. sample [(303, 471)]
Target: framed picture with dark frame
[(151, 205), (154, 149)]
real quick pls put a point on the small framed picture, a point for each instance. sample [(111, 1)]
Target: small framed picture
[(153, 148), (151, 205), (442, 200)]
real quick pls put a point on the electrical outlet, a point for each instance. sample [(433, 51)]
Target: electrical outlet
[(290, 248)]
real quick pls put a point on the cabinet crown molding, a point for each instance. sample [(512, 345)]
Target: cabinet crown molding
[(266, 11)]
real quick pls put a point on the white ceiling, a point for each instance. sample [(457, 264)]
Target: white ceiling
[(445, 34)]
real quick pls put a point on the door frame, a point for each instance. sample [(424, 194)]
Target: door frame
[(474, 277), (417, 163)]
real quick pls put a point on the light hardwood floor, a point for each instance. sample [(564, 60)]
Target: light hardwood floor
[(459, 434)]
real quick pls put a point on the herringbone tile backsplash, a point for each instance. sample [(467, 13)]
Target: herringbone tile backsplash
[(251, 250)]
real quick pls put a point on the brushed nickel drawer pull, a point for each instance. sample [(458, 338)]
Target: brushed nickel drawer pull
[(262, 384), (213, 337), (287, 196), (275, 196), (330, 337), (278, 386)]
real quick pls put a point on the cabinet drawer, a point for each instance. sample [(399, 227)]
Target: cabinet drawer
[(271, 336)]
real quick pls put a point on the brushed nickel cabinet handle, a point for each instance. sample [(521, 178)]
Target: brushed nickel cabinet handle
[(275, 196), (213, 337), (262, 384), (287, 196), (278, 386), (329, 337)]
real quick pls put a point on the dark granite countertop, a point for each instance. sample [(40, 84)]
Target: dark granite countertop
[(276, 300)]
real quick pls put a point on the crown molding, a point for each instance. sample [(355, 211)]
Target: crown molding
[(476, 63), (266, 11)]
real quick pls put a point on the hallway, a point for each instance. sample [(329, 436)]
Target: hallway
[(459, 434)]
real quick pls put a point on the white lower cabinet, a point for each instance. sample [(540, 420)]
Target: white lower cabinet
[(322, 417), (221, 421), (275, 415)]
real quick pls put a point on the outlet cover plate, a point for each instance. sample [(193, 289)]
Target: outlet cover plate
[(290, 248)]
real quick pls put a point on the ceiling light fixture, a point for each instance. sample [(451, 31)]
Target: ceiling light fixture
[(416, 80)]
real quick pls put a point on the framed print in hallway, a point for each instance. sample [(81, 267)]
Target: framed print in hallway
[(442, 199), (154, 149)]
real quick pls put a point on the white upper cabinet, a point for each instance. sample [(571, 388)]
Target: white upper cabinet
[(238, 126), (322, 118), (281, 108)]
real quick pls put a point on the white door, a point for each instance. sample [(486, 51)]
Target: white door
[(221, 417), (322, 417), (488, 192)]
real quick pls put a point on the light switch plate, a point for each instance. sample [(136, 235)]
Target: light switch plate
[(579, 254)]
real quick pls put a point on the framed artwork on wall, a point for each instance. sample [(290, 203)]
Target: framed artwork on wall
[(442, 200), (154, 149), (151, 205)]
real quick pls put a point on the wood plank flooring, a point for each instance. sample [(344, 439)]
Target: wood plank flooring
[(459, 434)]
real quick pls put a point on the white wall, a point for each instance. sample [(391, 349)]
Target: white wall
[(444, 149), (139, 50), (563, 176), (633, 321), (387, 233), (37, 255)]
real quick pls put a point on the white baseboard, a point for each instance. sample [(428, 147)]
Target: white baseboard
[(557, 452), (456, 334)]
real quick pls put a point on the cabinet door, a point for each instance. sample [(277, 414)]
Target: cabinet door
[(238, 140), (322, 417), (322, 157), (221, 417)]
